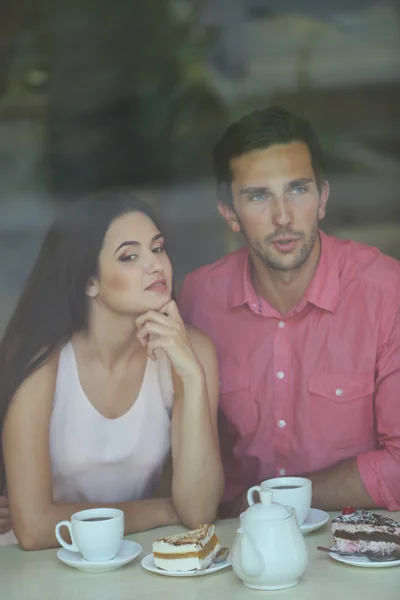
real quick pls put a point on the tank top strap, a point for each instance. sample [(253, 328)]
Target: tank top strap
[(67, 375)]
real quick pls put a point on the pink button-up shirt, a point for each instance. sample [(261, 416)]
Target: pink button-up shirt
[(302, 392)]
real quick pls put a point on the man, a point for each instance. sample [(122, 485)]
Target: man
[(306, 326)]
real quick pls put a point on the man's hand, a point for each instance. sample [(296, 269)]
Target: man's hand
[(5, 517)]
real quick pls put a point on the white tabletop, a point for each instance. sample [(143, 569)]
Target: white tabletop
[(41, 576)]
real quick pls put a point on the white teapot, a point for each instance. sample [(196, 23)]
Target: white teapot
[(269, 551)]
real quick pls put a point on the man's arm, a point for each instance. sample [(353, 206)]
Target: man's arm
[(333, 489), (372, 479), (340, 486)]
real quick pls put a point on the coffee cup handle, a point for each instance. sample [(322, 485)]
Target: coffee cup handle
[(250, 494), (72, 547)]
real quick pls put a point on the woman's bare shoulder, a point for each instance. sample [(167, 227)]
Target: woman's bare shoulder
[(43, 377)]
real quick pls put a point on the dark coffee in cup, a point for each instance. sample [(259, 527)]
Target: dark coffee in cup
[(97, 519), (285, 487)]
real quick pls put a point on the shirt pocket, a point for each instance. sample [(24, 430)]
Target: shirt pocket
[(341, 408), (236, 403)]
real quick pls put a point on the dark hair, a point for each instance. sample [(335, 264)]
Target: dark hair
[(53, 304), (259, 130)]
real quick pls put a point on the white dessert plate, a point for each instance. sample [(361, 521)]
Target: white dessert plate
[(316, 518), (149, 565), (361, 561), (129, 551)]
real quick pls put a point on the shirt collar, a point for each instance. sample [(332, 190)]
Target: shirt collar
[(238, 292), (323, 290)]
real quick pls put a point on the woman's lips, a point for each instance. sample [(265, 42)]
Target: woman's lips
[(157, 286)]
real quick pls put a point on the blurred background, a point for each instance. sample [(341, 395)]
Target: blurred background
[(96, 94)]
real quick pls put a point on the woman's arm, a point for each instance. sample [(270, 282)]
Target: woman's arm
[(25, 440), (197, 481)]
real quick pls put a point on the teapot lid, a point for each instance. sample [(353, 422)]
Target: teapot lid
[(266, 510)]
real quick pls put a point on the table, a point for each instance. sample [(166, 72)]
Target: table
[(41, 576)]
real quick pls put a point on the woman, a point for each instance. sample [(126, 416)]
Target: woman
[(100, 378)]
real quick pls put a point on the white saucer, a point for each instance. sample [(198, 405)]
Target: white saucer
[(361, 561), (128, 552), (316, 518), (149, 565)]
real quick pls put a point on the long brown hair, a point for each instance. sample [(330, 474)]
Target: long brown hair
[(53, 304)]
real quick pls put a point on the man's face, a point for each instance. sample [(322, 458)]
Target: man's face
[(276, 204)]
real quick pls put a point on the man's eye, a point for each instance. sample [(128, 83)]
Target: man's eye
[(257, 197), (159, 249), (127, 258), (299, 190)]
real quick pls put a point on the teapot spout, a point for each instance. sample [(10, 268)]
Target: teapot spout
[(247, 560)]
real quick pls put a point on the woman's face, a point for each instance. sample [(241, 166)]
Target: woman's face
[(135, 273)]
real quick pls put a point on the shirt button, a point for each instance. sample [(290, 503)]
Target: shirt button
[(280, 374), (339, 392), (282, 471), (281, 324), (255, 306), (281, 423)]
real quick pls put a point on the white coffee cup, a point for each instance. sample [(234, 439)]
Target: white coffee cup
[(96, 533), (295, 492)]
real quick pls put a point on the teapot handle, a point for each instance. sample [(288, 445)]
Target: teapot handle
[(250, 494)]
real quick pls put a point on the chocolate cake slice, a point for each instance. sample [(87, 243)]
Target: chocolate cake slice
[(363, 533)]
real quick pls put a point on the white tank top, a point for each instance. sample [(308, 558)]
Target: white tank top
[(95, 459)]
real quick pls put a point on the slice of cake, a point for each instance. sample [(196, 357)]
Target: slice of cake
[(364, 533), (190, 551)]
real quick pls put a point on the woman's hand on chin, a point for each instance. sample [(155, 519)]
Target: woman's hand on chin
[(165, 329)]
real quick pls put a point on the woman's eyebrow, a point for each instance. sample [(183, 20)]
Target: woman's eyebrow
[(135, 243)]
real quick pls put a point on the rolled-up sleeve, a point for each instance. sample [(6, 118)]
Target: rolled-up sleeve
[(380, 469)]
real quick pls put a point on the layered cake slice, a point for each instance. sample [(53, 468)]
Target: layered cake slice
[(190, 551), (363, 533)]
